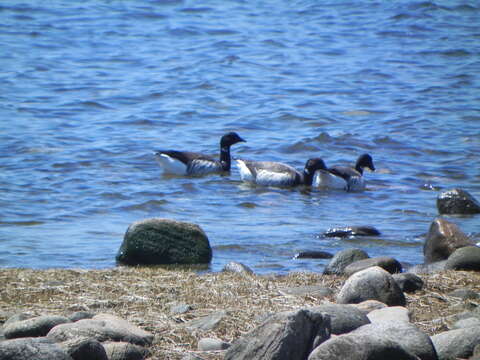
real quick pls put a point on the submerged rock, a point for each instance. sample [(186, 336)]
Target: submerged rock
[(313, 255), (457, 201), (352, 231)]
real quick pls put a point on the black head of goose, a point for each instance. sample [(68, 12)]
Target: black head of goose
[(191, 163), (269, 173), (344, 177)]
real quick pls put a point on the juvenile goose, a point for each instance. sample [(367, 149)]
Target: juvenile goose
[(344, 177), (278, 174), (190, 163)]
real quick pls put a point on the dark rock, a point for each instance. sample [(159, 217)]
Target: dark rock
[(210, 344), (408, 282), (84, 348), (125, 351), (371, 284), (206, 323), (238, 268), (39, 348), (313, 255), (33, 327), (342, 259), (442, 240), (307, 290), (103, 327), (343, 318), (387, 263), (163, 241), (431, 268), (458, 343), (465, 258), (284, 336), (352, 231), (457, 201)]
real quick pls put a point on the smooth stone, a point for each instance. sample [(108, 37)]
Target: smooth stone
[(387, 263), (352, 231), (17, 317), (465, 258), (457, 201), (125, 351), (236, 267), (313, 255), (442, 240), (84, 348), (465, 294), (164, 241), (284, 336), (368, 306), (38, 348), (390, 314), (80, 315), (207, 323), (373, 283), (308, 290), (457, 343), (342, 259), (211, 344), (34, 327), (466, 323), (343, 318), (408, 282)]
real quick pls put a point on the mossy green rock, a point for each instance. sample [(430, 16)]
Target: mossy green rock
[(163, 241)]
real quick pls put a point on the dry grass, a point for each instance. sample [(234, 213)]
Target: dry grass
[(144, 296)]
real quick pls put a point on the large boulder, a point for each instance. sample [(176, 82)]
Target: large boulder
[(38, 348), (385, 262), (343, 318), (33, 327), (371, 284), (342, 259), (465, 258), (457, 201), (408, 282), (283, 336), (458, 343), (442, 240), (163, 241), (84, 348)]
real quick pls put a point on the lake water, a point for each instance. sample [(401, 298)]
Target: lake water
[(89, 89)]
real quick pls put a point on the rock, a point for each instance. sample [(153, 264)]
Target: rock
[(466, 323), (206, 323), (163, 241), (465, 258), (283, 336), (371, 284), (182, 308), (210, 344), (102, 327), (33, 327), (352, 231), (313, 255), (343, 318), (238, 268), (342, 259), (408, 282), (307, 290), (407, 335), (84, 348), (391, 314), (465, 294), (17, 317), (458, 343), (428, 268), (360, 347), (39, 348), (80, 315), (368, 306), (385, 262), (457, 201), (442, 240), (125, 351)]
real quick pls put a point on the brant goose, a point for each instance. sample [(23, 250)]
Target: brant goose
[(190, 163), (278, 174), (344, 177)]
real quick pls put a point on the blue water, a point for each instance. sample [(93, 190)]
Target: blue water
[(90, 89)]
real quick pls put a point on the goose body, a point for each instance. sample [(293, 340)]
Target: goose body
[(344, 177), (192, 163), (269, 173)]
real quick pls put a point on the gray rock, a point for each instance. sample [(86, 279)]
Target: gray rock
[(39, 348), (80, 315), (163, 241), (343, 318), (457, 201), (176, 309), (465, 258), (283, 336), (458, 343), (442, 240), (238, 268), (307, 290), (387, 263), (476, 353), (17, 317), (342, 259), (431, 268), (466, 323), (349, 231), (390, 314), (371, 284), (84, 348), (408, 282), (360, 347), (313, 254), (210, 344), (407, 335), (368, 306), (206, 323), (103, 327), (125, 351), (33, 327), (465, 294)]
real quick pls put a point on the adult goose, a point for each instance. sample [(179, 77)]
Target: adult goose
[(278, 174), (191, 163), (344, 177)]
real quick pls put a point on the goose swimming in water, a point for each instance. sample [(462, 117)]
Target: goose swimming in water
[(191, 163), (278, 174), (344, 177)]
